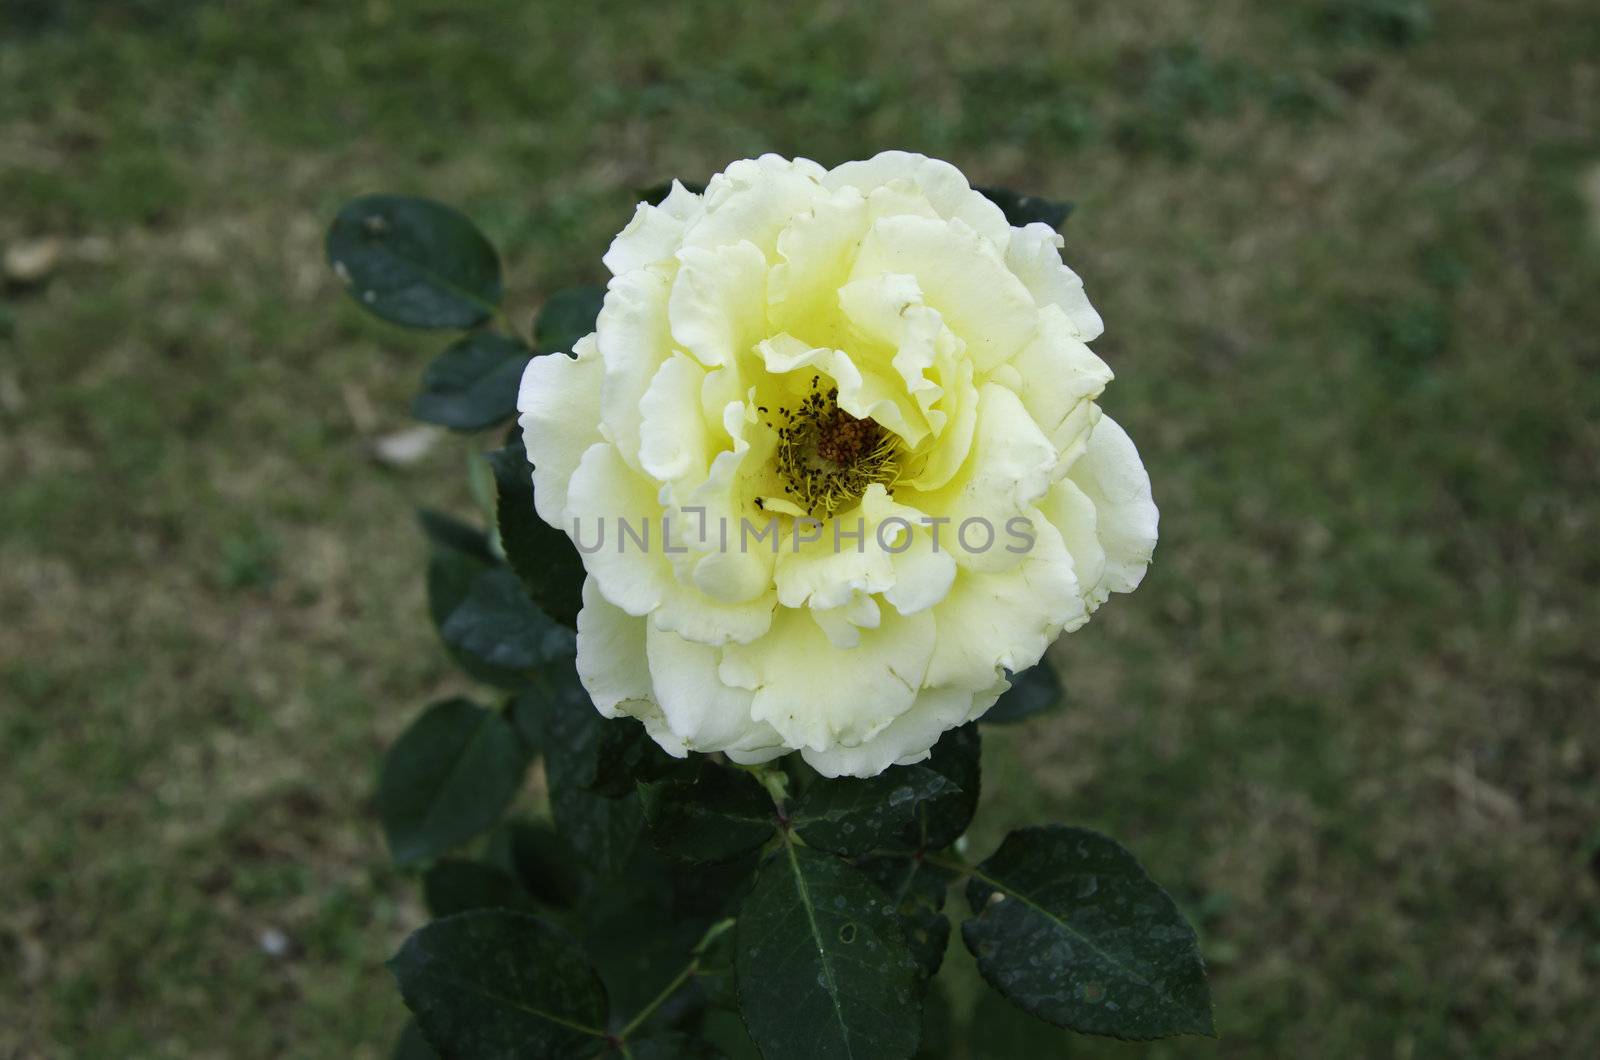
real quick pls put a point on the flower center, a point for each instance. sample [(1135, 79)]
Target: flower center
[(827, 457)]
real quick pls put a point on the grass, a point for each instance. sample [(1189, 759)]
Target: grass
[(1347, 253)]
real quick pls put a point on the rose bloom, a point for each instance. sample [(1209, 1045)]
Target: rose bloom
[(875, 360)]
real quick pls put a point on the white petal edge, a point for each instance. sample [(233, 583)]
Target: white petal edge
[(559, 402)]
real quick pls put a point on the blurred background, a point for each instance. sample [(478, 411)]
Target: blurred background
[(1348, 254)]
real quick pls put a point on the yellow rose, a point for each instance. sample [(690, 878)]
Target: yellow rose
[(834, 461)]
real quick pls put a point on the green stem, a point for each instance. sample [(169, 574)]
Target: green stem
[(660, 999), (714, 932), (771, 778)]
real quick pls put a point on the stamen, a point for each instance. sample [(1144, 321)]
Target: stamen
[(828, 457)]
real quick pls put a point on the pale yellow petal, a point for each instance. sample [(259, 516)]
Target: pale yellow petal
[(718, 306), (559, 402), (866, 687), (634, 342), (611, 659), (943, 185), (703, 712), (655, 232), (1035, 257)]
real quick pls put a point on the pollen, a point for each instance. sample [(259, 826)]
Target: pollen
[(827, 457)]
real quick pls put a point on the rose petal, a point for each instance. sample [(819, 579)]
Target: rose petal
[(944, 186), (1114, 479), (1006, 619), (702, 711), (1035, 257), (559, 402), (655, 232), (611, 659), (866, 687), (907, 739), (634, 342)]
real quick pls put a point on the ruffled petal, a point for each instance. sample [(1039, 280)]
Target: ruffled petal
[(908, 738), (703, 713), (674, 442), (815, 251), (634, 341), (1035, 257), (1058, 377), (816, 695), (862, 392), (1071, 512), (618, 524), (944, 186), (729, 571), (1006, 619), (611, 654), (961, 275), (559, 402), (888, 310), (655, 232), (1114, 479), (718, 305), (879, 546), (753, 200), (1008, 468), (604, 494), (929, 360)]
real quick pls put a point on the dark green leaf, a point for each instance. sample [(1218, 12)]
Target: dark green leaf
[(1025, 209), (412, 1045), (455, 562), (1033, 691), (415, 262), (719, 816), (602, 830), (640, 933), (496, 983), (822, 971), (526, 711), (727, 1031), (627, 757), (672, 1045), (446, 531), (712, 889), (944, 818), (573, 729), (540, 860), (1069, 927), (567, 316), (447, 778), (498, 625), (473, 383), (455, 885), (917, 891), (850, 816), (543, 557), (927, 934)]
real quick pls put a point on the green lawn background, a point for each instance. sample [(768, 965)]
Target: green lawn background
[(1348, 255)]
